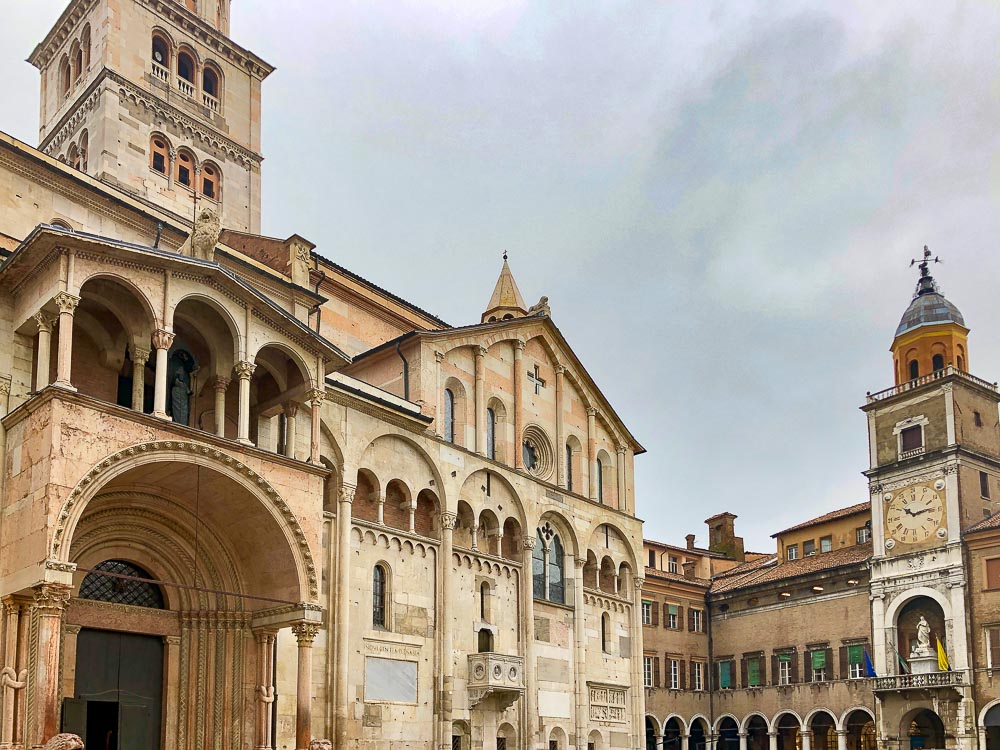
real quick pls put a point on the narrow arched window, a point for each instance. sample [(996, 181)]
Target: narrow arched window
[(210, 183), (84, 147), (538, 567), (961, 363), (600, 481), (914, 369), (556, 589), (78, 63), (484, 595), (938, 362), (185, 169), (491, 430), (379, 595), (605, 632), (210, 82), (449, 415), (185, 66), (85, 46), (485, 641), (74, 157), (65, 76), (161, 55), (569, 468), (158, 155)]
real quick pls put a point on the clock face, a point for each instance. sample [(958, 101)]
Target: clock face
[(914, 514)]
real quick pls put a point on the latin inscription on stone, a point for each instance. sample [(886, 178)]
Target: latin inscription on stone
[(607, 704), (390, 680)]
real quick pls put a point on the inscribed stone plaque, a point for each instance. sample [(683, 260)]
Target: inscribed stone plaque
[(390, 680)]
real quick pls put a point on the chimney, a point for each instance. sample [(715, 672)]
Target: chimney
[(722, 537), (688, 566), (690, 541)]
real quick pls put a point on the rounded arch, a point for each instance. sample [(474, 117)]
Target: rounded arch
[(923, 722), (789, 713), (211, 79), (681, 722), (145, 307), (454, 424), (262, 353), (735, 723), (161, 47), (596, 739), (558, 735), (184, 167), (807, 721), (595, 532), (562, 526), (986, 709), (745, 725), (61, 223), (159, 153), (398, 455), (297, 583), (211, 181), (65, 75), (189, 74), (485, 485), (224, 313), (846, 717), (85, 45), (654, 722), (892, 611)]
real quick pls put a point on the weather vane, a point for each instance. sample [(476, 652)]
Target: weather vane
[(927, 259), (505, 255)]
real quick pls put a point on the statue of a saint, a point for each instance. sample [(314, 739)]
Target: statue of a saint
[(923, 647), (180, 388)]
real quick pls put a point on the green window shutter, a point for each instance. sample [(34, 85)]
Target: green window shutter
[(725, 674), (819, 659), (753, 672), (855, 654), (672, 609), (784, 657)]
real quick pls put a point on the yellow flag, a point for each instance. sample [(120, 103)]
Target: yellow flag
[(943, 665)]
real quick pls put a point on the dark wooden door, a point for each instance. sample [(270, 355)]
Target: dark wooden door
[(119, 691)]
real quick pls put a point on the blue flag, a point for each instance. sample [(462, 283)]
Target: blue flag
[(869, 667)]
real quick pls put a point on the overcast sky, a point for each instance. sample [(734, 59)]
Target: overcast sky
[(719, 199)]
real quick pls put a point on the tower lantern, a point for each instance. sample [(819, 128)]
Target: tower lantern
[(931, 335)]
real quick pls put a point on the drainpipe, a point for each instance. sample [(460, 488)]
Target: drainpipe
[(159, 232), (406, 373)]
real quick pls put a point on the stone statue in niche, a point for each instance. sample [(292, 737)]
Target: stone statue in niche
[(923, 645), (64, 742), (182, 365)]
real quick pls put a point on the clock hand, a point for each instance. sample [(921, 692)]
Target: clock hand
[(908, 511), (917, 513)]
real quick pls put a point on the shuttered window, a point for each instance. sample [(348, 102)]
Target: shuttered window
[(753, 671), (993, 573)]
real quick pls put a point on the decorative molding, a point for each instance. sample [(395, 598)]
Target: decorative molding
[(305, 633), (206, 451), (900, 483)]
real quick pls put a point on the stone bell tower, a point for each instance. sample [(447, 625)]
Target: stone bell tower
[(153, 97), (934, 454)]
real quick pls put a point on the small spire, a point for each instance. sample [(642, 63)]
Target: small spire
[(506, 301)]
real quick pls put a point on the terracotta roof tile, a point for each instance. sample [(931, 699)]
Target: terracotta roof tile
[(993, 522), (831, 516), (653, 573), (843, 557)]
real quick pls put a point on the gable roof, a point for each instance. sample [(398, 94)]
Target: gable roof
[(833, 515), (768, 570)]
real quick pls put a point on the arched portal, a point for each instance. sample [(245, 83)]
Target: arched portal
[(991, 724), (923, 729), (787, 727), (860, 726), (823, 726), (729, 734), (697, 735), (756, 728), (672, 732)]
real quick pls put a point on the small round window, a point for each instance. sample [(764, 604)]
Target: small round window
[(536, 452)]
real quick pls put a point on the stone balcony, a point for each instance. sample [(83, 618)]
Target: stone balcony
[(495, 675), (929, 680)]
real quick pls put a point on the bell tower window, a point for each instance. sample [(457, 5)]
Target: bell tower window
[(158, 155), (914, 369), (210, 82), (185, 169), (161, 52), (210, 183), (938, 362)]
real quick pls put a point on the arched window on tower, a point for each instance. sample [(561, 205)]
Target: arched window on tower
[(65, 76), (77, 63), (85, 46), (211, 182), (484, 598), (185, 169), (491, 434), (380, 593), (84, 148), (914, 369), (191, 5), (569, 467), (605, 632), (185, 72), (938, 362), (449, 415), (210, 81), (538, 567), (158, 154), (161, 57), (74, 156), (600, 481)]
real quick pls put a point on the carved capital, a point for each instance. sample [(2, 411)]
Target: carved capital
[(316, 396), (591, 411), (244, 369), (581, 562), (264, 636), (291, 409), (5, 385), (172, 154), (529, 542), (622, 448), (638, 582), (518, 345), (560, 369), (305, 633), (51, 598), (162, 339), (220, 385), (449, 521), (140, 354), (66, 302), (347, 493), (43, 321), (479, 350)]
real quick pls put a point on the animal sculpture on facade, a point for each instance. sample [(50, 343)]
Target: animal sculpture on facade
[(64, 741)]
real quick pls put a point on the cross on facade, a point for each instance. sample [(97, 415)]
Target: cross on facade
[(536, 379)]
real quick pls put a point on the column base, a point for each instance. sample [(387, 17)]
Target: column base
[(244, 441), (161, 415), (65, 385)]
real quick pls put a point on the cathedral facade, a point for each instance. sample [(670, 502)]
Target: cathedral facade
[(249, 498)]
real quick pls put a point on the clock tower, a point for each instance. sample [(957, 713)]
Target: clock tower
[(934, 449)]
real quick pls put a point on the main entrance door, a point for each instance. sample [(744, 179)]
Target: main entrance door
[(118, 698)]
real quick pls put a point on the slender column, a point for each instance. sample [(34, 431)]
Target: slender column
[(11, 681), (343, 610), (381, 507), (772, 740), (4, 406), (413, 515), (528, 625), (439, 409), (316, 396), (480, 356), (220, 386), (305, 633), (43, 350), (684, 741), (579, 622), (560, 431), (50, 602), (842, 739), (475, 536), (265, 688), (638, 694), (162, 340), (244, 371), (620, 473), (743, 740), (291, 409), (140, 355), (448, 521), (518, 407), (67, 306), (807, 737), (592, 451)]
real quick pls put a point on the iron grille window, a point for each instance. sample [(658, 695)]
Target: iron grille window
[(111, 588), (378, 597)]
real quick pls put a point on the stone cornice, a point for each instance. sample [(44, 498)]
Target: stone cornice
[(60, 32)]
